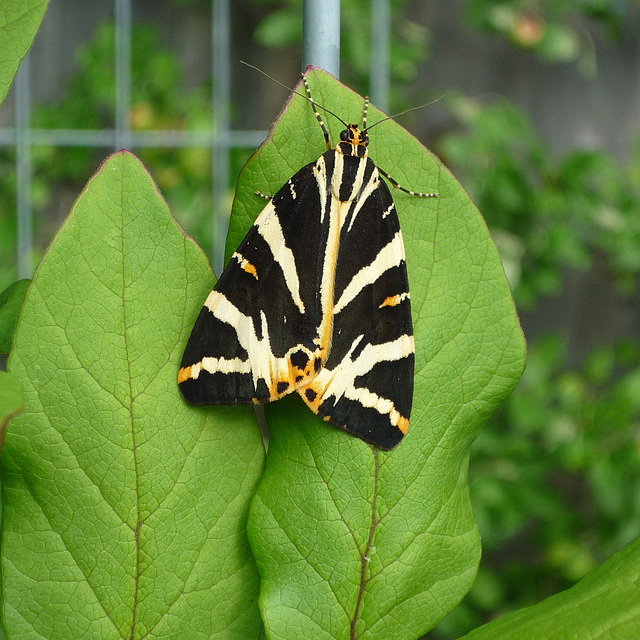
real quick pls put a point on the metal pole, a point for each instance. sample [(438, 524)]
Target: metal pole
[(123, 73), (380, 47), (24, 169), (221, 95), (321, 35)]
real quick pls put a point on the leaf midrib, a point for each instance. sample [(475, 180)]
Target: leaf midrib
[(132, 397), (364, 557)]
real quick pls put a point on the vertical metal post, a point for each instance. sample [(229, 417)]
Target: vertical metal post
[(321, 35), (123, 73), (24, 169), (380, 53), (221, 95)]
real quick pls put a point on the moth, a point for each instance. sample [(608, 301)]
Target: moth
[(316, 300)]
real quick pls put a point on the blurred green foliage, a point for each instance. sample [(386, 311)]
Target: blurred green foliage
[(557, 31), (546, 214), (555, 475)]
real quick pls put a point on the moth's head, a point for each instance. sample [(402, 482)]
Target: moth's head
[(353, 141)]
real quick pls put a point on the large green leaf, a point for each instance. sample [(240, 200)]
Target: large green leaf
[(605, 605), (19, 23), (124, 508), (351, 542)]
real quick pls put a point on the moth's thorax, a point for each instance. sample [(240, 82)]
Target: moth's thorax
[(347, 176), (353, 142)]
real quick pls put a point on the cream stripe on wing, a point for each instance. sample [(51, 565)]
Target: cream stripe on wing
[(269, 228), (333, 207), (371, 186), (320, 174), (383, 406), (263, 364), (391, 255), (339, 382), (388, 210), (220, 365)]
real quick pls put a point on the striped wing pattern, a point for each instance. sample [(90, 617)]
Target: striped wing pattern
[(264, 329), (366, 384), (315, 300)]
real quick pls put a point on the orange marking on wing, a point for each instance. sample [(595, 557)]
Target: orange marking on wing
[(184, 374), (391, 301), (249, 268)]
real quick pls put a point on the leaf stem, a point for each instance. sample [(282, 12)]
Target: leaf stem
[(365, 558)]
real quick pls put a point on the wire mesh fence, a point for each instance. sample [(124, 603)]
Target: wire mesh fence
[(23, 137)]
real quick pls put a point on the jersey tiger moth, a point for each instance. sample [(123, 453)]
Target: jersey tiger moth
[(316, 300)]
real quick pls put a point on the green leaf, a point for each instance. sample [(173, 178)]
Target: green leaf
[(605, 604), (19, 23), (11, 400), (10, 302), (352, 542), (124, 508)]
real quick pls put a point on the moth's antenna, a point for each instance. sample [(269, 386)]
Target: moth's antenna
[(298, 94), (393, 117)]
